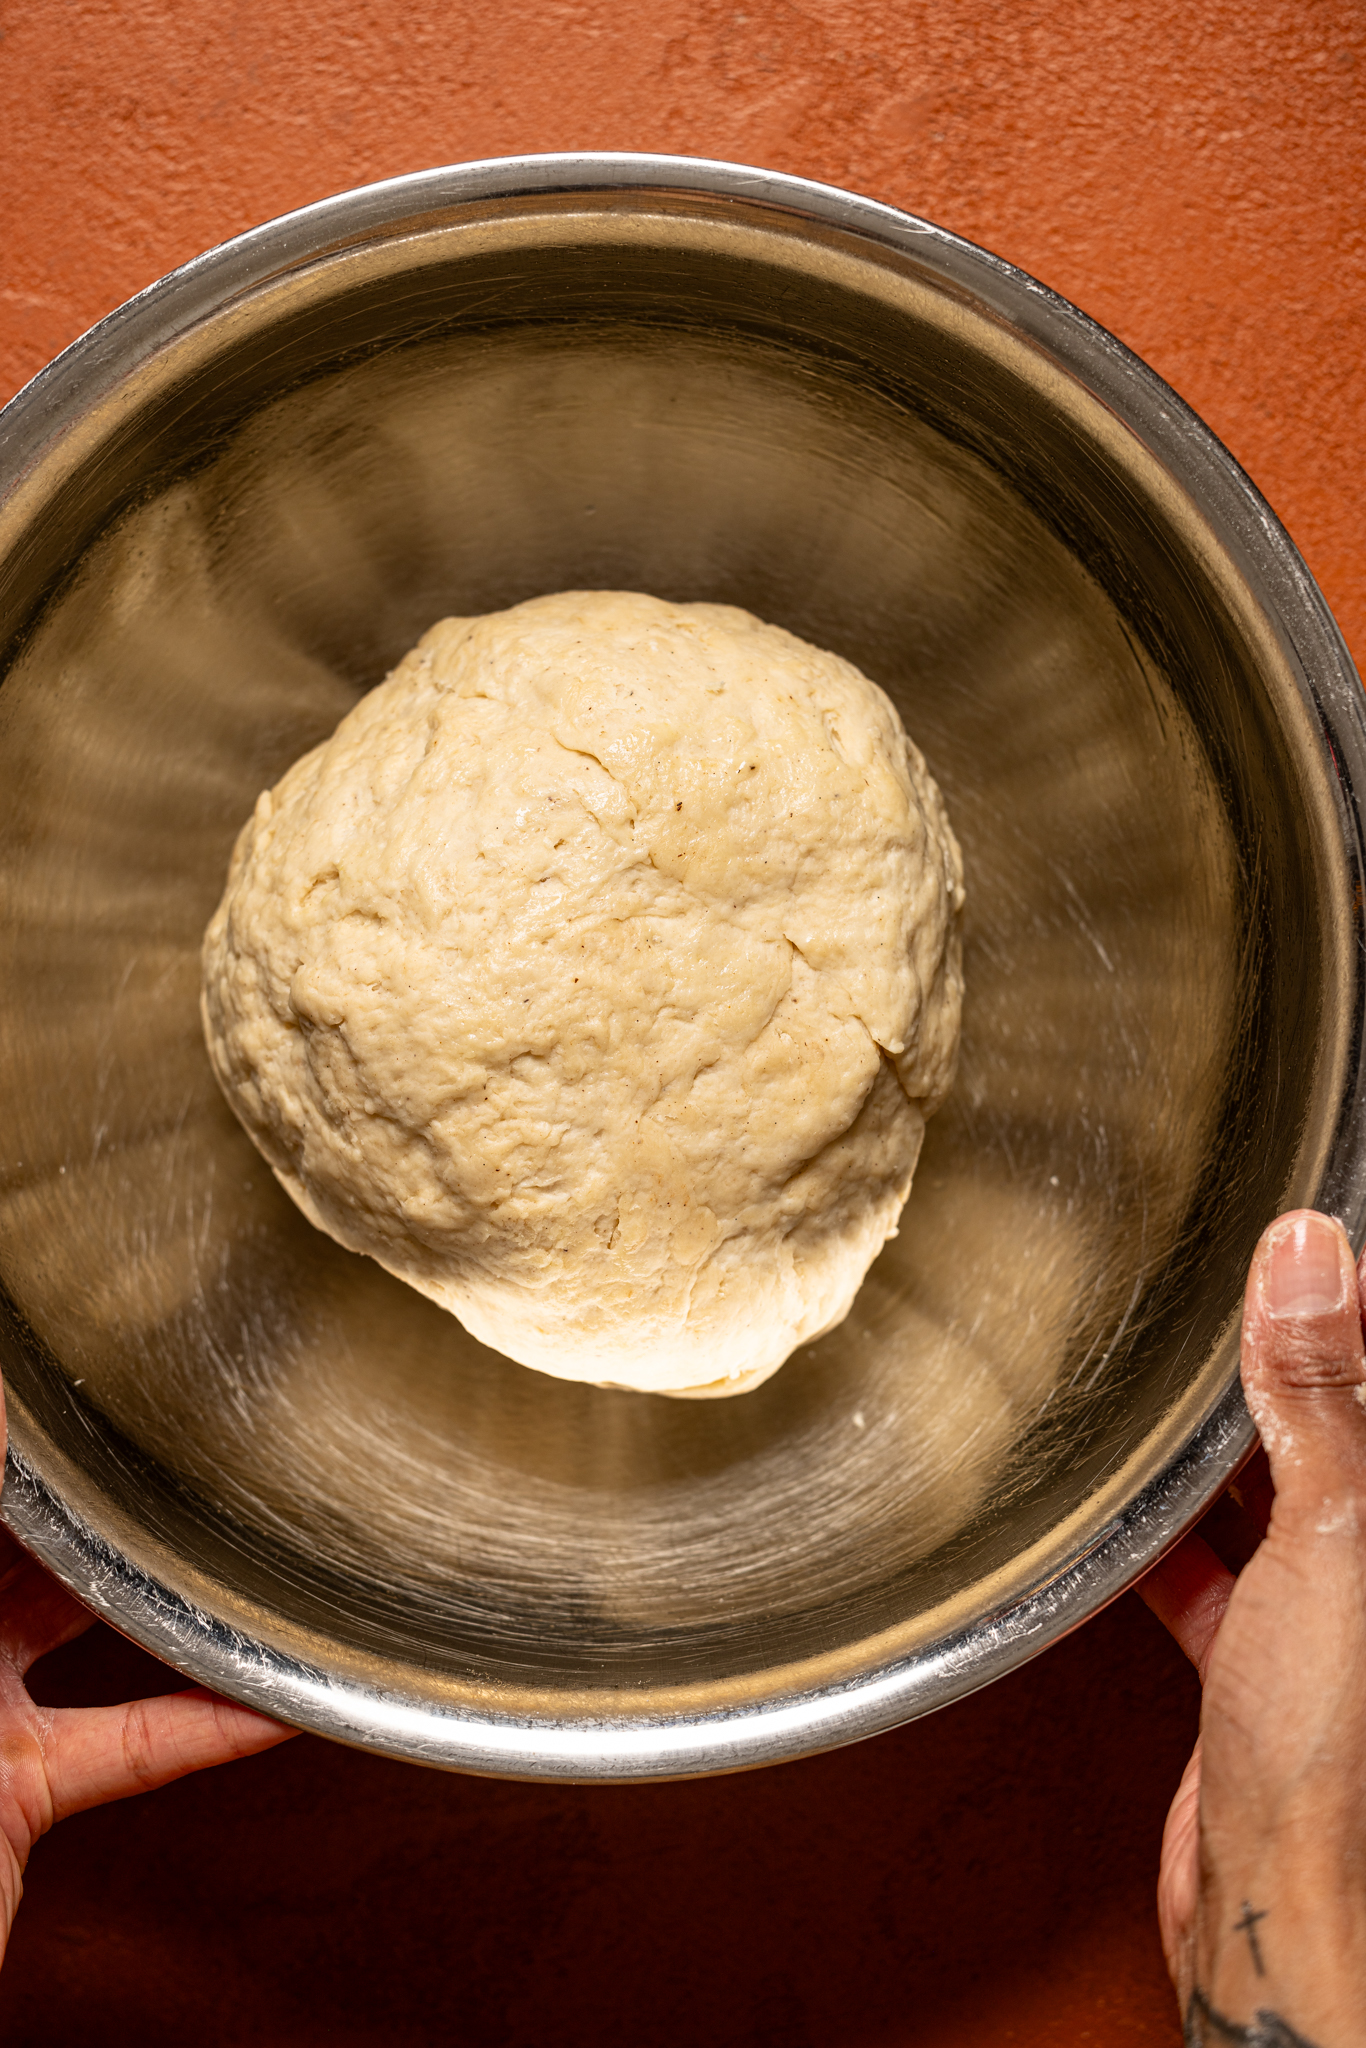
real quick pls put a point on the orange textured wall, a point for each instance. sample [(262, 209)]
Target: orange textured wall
[(1192, 174)]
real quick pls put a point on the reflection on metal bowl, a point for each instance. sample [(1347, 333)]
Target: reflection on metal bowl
[(228, 510)]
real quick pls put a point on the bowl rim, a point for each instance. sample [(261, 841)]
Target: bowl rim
[(589, 1746)]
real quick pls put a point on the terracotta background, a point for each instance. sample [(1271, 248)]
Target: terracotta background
[(1190, 173)]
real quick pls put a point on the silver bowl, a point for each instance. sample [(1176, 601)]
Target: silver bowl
[(227, 510)]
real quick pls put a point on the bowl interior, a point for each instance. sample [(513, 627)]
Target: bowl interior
[(703, 407)]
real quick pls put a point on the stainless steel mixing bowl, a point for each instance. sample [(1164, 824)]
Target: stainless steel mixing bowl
[(227, 511)]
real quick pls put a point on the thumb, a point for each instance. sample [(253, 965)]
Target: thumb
[(1302, 1360)]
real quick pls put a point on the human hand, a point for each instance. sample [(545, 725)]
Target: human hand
[(1262, 1892), (57, 1761)]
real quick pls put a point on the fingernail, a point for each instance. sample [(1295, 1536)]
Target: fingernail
[(1304, 1272)]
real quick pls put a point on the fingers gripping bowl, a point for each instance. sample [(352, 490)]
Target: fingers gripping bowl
[(227, 513)]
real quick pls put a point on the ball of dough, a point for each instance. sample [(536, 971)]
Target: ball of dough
[(596, 977)]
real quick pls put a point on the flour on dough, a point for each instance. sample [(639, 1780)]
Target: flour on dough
[(596, 977)]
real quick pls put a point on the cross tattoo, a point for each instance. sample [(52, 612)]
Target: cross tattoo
[(1248, 1926)]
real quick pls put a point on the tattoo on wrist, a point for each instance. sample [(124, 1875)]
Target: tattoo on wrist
[(1205, 2028), (1248, 1926)]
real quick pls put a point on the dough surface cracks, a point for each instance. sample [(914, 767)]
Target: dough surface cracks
[(596, 977)]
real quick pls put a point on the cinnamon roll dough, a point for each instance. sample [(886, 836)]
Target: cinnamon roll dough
[(596, 977)]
